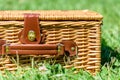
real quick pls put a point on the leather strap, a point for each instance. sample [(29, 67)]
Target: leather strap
[(34, 52), (2, 42), (36, 49), (31, 30), (33, 47), (70, 47)]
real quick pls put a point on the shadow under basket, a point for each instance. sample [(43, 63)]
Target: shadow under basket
[(82, 27)]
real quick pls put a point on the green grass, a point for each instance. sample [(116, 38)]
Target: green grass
[(56, 72), (110, 34)]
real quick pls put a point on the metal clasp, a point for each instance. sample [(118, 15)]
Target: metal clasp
[(60, 49), (31, 35)]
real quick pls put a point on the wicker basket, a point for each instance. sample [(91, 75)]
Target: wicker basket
[(83, 27)]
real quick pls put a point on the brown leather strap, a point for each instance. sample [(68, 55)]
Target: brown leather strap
[(31, 24), (36, 49), (70, 47), (34, 52), (2, 42), (33, 47)]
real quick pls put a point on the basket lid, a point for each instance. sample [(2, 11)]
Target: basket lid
[(51, 15)]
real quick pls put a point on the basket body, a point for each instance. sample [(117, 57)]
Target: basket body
[(83, 27)]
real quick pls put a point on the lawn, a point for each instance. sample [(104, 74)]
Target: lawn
[(110, 69)]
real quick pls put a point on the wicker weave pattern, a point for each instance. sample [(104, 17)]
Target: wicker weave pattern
[(53, 15), (81, 26), (85, 33)]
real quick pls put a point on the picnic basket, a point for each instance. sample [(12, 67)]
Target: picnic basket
[(82, 27)]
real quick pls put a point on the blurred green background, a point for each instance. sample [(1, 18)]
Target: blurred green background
[(108, 8)]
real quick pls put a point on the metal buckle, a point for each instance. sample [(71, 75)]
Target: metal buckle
[(60, 49), (5, 48)]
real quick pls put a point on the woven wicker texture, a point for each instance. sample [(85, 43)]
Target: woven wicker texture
[(83, 27), (52, 15)]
